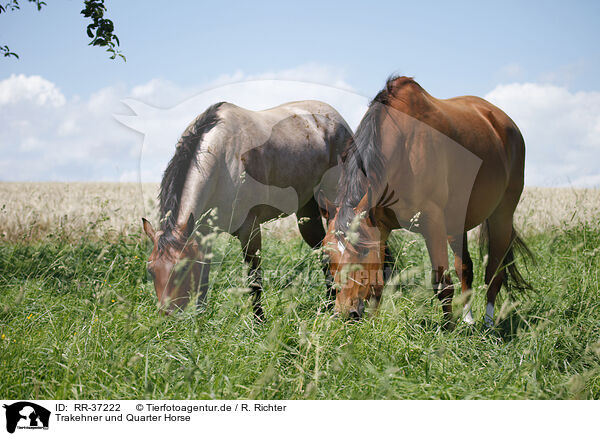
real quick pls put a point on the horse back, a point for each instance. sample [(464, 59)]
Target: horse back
[(463, 152), (474, 123), (291, 145)]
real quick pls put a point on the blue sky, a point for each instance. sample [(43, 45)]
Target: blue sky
[(452, 48)]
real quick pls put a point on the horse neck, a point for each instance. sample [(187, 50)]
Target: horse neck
[(200, 183)]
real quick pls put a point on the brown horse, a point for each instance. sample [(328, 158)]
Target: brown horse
[(453, 164), (248, 167)]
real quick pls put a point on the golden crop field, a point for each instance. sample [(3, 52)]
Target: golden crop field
[(31, 210)]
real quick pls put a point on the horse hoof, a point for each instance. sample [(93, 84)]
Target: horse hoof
[(449, 325), (468, 317), (469, 320), (259, 316)]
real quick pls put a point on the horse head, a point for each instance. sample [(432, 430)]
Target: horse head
[(356, 259), (176, 265)]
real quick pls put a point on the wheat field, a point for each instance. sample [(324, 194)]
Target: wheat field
[(30, 211)]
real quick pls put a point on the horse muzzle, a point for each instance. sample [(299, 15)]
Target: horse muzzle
[(353, 312)]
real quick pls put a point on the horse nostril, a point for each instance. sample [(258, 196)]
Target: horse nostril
[(354, 315)]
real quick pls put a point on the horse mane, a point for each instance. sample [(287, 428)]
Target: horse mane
[(175, 175), (363, 161)]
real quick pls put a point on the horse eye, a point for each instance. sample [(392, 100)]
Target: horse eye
[(151, 272)]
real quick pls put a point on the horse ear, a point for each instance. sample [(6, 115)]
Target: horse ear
[(364, 205), (188, 228), (326, 207), (148, 229)]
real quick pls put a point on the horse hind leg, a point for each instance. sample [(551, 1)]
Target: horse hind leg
[(313, 233), (500, 235), (251, 241), (464, 269)]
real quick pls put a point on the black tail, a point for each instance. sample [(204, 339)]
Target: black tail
[(513, 279), (516, 279)]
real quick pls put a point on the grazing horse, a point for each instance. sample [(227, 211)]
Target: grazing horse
[(248, 167), (437, 167)]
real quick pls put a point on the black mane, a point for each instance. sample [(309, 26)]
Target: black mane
[(363, 163), (176, 172)]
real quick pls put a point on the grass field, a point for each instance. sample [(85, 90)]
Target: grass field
[(78, 316)]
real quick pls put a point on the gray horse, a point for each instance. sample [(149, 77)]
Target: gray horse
[(249, 167)]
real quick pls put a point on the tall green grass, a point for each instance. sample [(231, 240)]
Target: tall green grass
[(79, 321)]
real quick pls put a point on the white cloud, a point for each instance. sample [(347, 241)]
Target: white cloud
[(564, 74), (561, 131), (161, 93), (310, 72), (49, 137), (30, 89), (512, 70)]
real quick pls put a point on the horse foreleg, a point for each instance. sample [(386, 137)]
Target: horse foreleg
[(433, 229), (464, 269), (388, 264), (250, 238), (312, 231)]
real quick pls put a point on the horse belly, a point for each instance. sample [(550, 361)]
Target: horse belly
[(484, 193), (298, 163)]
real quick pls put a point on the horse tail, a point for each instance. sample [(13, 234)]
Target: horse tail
[(513, 279), (484, 239)]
